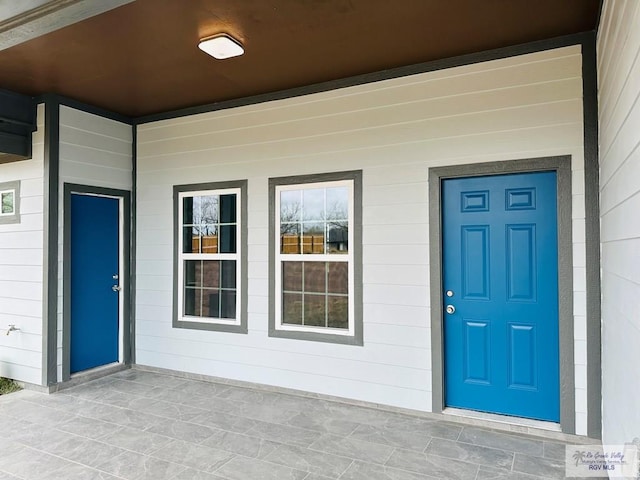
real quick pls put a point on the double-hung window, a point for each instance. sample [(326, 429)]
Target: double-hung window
[(316, 257), (209, 257), (10, 202)]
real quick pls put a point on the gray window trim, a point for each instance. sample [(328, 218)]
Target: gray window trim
[(356, 177), (561, 165), (15, 216), (212, 326)]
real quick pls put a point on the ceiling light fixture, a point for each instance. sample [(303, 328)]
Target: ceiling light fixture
[(221, 46)]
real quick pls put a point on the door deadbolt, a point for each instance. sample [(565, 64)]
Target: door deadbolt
[(450, 309), (449, 293), (115, 277)]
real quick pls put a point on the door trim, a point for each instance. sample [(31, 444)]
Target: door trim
[(562, 166), (125, 271)]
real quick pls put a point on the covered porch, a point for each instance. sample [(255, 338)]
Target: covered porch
[(141, 424)]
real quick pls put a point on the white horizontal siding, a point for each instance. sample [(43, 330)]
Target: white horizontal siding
[(520, 107), (619, 119), (94, 151), (21, 268)]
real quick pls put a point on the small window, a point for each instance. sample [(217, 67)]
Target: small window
[(316, 256), (7, 202), (10, 202), (210, 289)]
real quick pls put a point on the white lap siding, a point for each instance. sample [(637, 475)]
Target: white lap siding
[(619, 112), (94, 151), (520, 107), (21, 268)]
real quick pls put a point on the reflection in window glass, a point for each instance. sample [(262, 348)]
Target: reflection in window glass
[(316, 262), (314, 221), (338, 314), (290, 238), (315, 294), (209, 224), (210, 288), (315, 314), (313, 238), (313, 207), (208, 238), (315, 277), (290, 206), (209, 230)]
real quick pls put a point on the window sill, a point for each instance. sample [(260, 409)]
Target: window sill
[(353, 339), (211, 325)]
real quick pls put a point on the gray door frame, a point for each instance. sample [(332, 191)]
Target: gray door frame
[(125, 249), (562, 166)]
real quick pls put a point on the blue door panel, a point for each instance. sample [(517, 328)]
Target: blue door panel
[(477, 362), (500, 260), (522, 356), (522, 273), (94, 262), (475, 262)]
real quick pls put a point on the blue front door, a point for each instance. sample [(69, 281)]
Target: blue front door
[(94, 271), (500, 278)]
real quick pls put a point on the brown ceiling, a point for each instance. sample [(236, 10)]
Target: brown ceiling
[(142, 58)]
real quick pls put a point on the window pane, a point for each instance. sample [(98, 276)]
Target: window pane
[(338, 241), (192, 273), (210, 273), (209, 208), (228, 307), (292, 308), (209, 238), (228, 274), (338, 203), (292, 276), (290, 238), (313, 237), (228, 208), (210, 303), (290, 205), (338, 312), (187, 211), (192, 298), (7, 203), (313, 204), (191, 239), (314, 310), (227, 239), (338, 277), (315, 274)]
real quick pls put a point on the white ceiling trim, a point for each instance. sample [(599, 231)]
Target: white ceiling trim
[(26, 20)]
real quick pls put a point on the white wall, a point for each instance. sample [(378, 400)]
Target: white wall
[(520, 107), (94, 151), (619, 118), (21, 268)]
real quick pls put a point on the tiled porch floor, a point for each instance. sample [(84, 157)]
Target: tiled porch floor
[(142, 425)]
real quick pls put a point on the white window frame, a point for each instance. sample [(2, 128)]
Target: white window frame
[(326, 257), (182, 257), (12, 191)]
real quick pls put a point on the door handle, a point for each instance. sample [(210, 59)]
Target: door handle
[(116, 288), (450, 309)]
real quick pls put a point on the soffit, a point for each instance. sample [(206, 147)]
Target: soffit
[(142, 58)]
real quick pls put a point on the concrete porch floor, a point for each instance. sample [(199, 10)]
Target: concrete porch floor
[(137, 424)]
